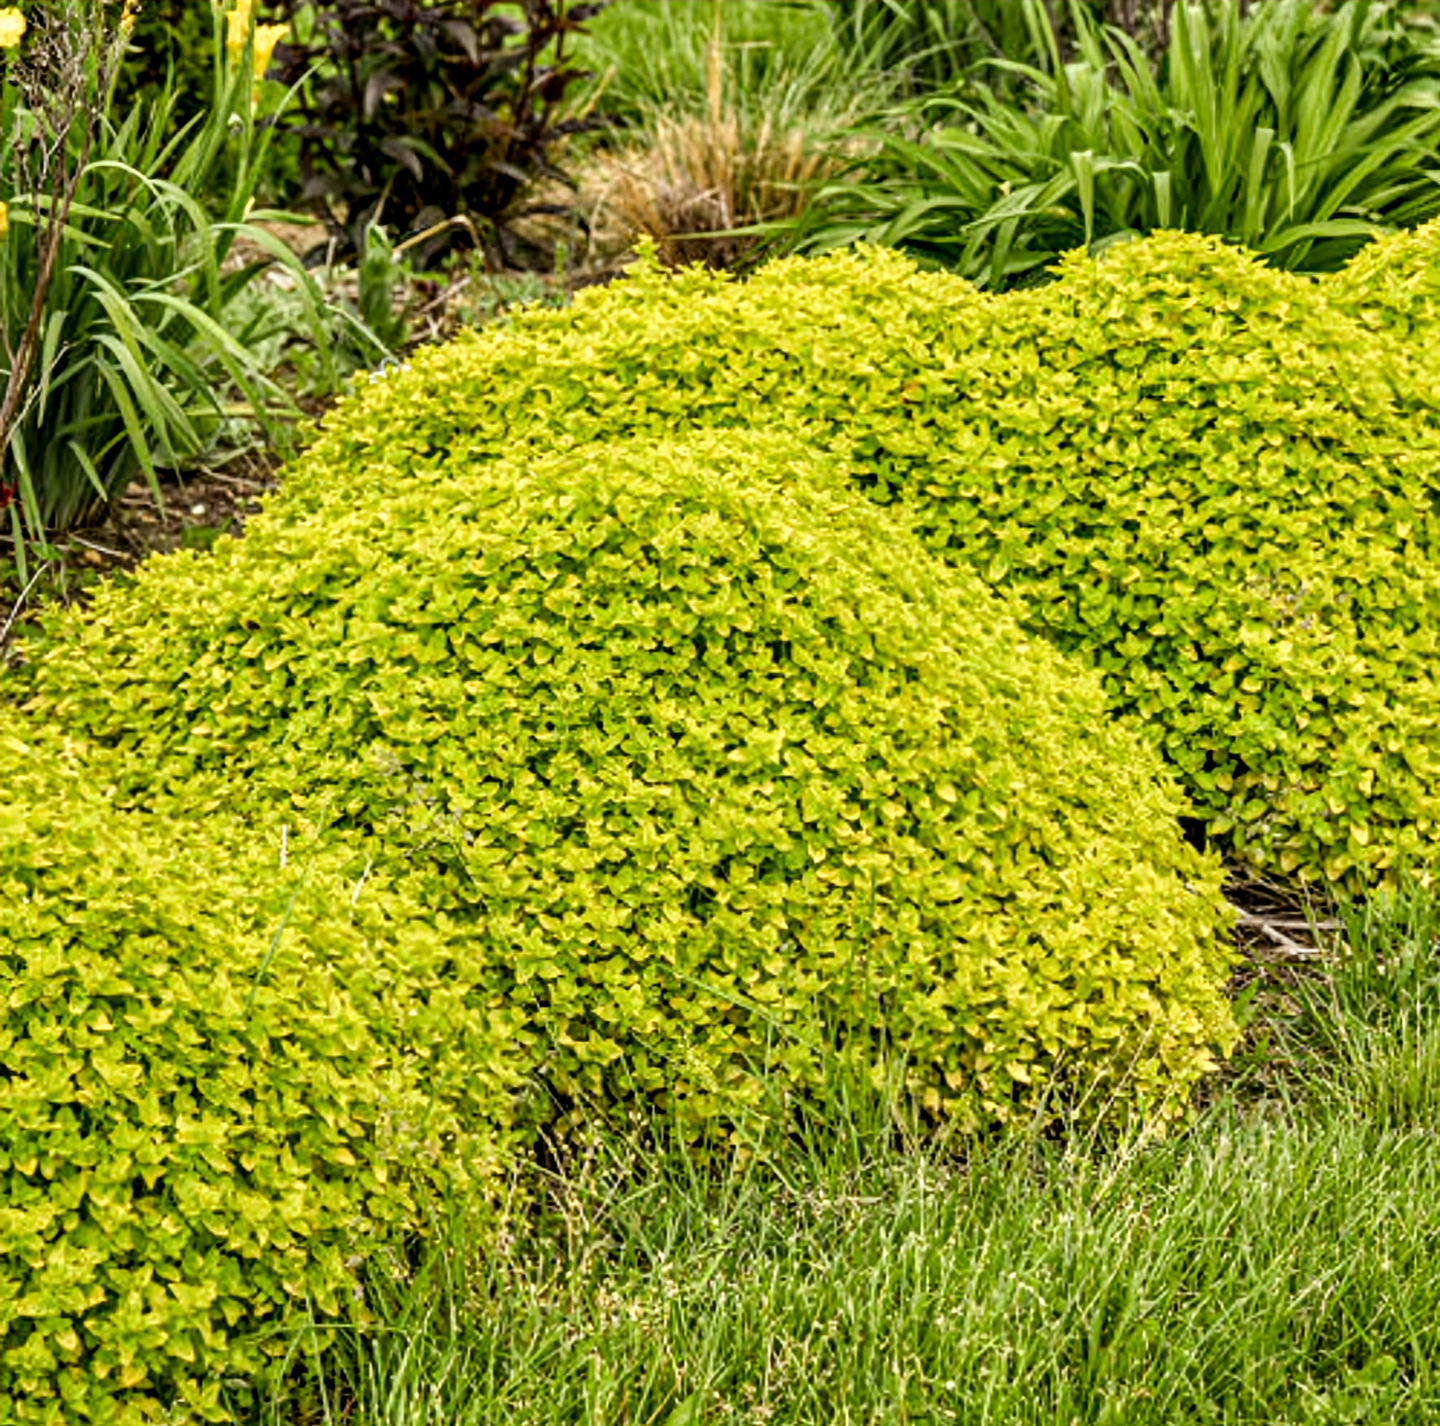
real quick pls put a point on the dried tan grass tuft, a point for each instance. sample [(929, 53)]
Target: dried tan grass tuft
[(694, 179)]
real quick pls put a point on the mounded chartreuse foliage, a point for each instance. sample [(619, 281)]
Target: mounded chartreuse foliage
[(682, 763), (640, 769), (1394, 286), (710, 758), (1215, 481), (220, 1076), (521, 742)]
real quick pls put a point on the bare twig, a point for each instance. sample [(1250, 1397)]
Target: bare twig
[(1291, 950), (99, 549), (1250, 918), (70, 65), (19, 604)]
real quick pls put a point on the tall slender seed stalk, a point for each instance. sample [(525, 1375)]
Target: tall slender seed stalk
[(75, 58)]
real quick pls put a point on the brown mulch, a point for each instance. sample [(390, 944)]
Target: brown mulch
[(196, 507)]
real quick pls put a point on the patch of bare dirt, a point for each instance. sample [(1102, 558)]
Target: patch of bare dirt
[(195, 508)]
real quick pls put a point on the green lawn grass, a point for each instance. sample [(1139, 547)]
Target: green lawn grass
[(1276, 1262)]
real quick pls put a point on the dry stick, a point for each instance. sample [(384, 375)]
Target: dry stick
[(54, 233), (99, 549), (1280, 943), (1249, 918), (54, 236), (18, 605), (1274, 929), (65, 185), (1285, 946)]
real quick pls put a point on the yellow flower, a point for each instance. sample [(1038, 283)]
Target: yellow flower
[(4, 220), (266, 38), (128, 14), (237, 29), (12, 28), (262, 42)]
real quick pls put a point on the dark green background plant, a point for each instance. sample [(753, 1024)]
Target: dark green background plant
[(1296, 131), (116, 258), (648, 57), (171, 58), (170, 65), (415, 114), (937, 45)]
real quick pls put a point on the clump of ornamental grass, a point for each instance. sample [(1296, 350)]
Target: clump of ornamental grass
[(739, 140)]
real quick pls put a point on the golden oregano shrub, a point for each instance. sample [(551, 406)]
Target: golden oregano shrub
[(712, 758), (622, 747), (1204, 476), (224, 1080), (1393, 285)]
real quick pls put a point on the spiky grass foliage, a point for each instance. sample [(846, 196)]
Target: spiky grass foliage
[(731, 128), (653, 55), (1295, 130), (694, 179), (1373, 1021), (124, 349), (1262, 1268)]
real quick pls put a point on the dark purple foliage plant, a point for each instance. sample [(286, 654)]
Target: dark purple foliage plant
[(429, 117)]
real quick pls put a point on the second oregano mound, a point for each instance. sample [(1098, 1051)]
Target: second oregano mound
[(1214, 481)]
